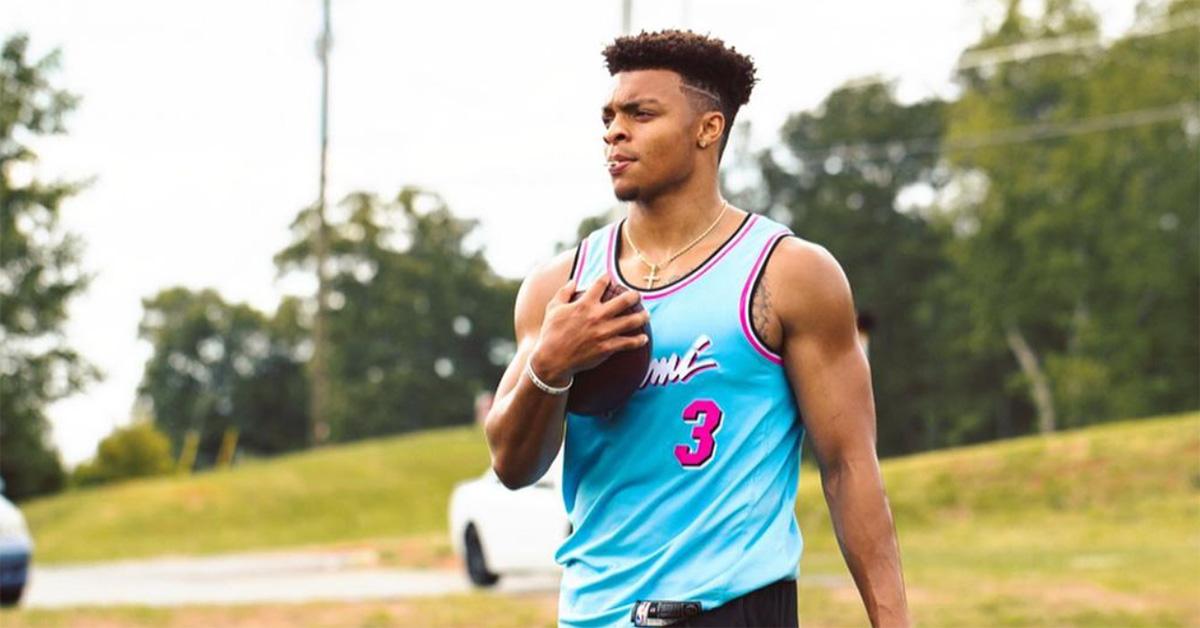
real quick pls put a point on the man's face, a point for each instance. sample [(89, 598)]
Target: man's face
[(650, 133)]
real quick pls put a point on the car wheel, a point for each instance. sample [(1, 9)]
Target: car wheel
[(476, 564), (11, 595)]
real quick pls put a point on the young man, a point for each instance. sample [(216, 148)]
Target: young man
[(682, 502)]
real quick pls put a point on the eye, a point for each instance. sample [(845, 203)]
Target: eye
[(644, 115)]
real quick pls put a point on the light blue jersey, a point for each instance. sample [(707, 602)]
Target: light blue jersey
[(688, 492)]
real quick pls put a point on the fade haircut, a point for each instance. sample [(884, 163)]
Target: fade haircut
[(715, 77)]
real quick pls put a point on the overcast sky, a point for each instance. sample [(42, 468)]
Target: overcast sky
[(199, 122)]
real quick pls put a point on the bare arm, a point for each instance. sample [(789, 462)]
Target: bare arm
[(831, 377), (558, 338)]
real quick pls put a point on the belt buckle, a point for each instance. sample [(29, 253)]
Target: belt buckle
[(662, 612)]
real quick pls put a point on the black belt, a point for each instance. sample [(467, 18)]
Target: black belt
[(662, 612)]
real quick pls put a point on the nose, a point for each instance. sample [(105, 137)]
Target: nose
[(615, 132)]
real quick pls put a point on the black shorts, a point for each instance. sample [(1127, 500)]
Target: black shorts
[(772, 605)]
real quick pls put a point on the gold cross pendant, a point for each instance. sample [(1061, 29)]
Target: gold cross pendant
[(652, 277)]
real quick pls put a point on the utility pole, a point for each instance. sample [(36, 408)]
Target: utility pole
[(319, 371), (626, 14)]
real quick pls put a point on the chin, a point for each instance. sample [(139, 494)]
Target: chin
[(626, 192)]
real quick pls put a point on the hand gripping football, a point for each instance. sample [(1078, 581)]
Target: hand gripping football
[(607, 386)]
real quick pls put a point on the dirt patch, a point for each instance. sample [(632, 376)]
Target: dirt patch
[(1086, 595)]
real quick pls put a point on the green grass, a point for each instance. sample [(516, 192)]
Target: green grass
[(451, 611), (382, 488), (1094, 527)]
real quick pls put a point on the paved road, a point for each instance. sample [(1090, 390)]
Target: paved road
[(250, 578)]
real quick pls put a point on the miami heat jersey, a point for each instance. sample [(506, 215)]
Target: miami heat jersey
[(686, 493)]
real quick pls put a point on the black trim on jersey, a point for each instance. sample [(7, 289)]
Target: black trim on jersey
[(754, 291), (620, 241), (575, 261)]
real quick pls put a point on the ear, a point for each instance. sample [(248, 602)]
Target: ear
[(710, 128)]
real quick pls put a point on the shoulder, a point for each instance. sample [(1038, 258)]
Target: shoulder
[(802, 259), (810, 290), (544, 280), (539, 287)]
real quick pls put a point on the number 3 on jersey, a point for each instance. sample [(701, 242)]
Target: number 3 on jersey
[(706, 416)]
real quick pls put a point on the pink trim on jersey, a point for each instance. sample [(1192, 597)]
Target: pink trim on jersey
[(744, 314), (608, 258), (580, 262), (658, 294)]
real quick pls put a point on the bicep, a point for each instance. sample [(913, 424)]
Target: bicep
[(826, 366), (529, 311)]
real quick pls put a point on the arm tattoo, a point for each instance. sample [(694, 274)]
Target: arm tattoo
[(760, 312)]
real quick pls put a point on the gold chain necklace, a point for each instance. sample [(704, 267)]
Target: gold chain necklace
[(653, 276)]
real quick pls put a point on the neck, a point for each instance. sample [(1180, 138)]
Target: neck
[(671, 220)]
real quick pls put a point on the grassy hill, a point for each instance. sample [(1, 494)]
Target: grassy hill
[(381, 488), (1099, 526), (1093, 527)]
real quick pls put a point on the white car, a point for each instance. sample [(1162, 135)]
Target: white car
[(498, 531), (16, 549)]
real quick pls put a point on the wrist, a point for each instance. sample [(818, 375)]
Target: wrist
[(547, 370)]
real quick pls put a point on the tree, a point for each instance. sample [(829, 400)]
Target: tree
[(1078, 255), (1133, 333), (218, 367), (39, 274), (419, 324)]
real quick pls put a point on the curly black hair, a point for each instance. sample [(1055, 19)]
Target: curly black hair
[(701, 61)]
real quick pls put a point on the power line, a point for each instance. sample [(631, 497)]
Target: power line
[(1034, 48), (898, 149), (1094, 124), (1067, 43)]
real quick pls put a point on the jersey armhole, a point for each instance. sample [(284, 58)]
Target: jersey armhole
[(580, 259), (748, 291)]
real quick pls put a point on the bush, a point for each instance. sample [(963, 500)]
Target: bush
[(137, 450)]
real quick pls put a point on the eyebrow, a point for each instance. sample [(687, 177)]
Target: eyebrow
[(632, 105)]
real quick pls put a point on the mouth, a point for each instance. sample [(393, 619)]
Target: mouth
[(618, 165)]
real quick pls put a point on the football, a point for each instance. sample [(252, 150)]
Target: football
[(607, 386)]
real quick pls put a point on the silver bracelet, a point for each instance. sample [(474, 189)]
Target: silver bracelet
[(546, 388)]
